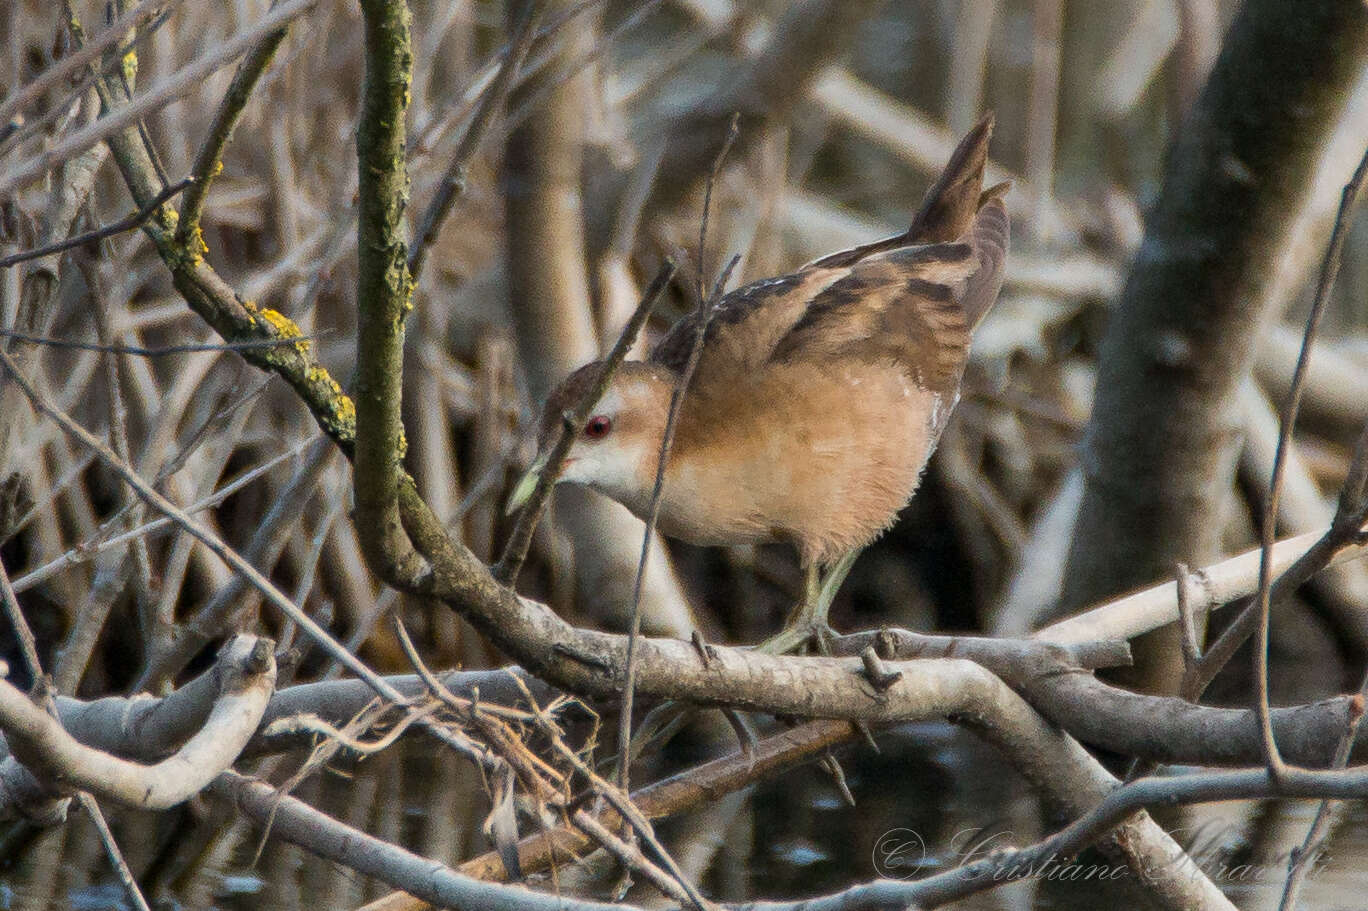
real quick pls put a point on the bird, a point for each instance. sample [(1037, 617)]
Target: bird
[(817, 397)]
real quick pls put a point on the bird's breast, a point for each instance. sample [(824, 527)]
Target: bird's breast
[(822, 458)]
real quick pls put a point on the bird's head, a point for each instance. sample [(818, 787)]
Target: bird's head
[(616, 451)]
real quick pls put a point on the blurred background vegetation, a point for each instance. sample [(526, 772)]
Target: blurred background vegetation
[(579, 190)]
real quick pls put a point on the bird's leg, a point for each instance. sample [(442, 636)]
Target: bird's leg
[(808, 620), (835, 577)]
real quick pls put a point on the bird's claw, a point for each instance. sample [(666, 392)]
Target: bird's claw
[(815, 635)]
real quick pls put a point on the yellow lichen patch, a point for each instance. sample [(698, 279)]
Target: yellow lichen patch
[(168, 218), (197, 248), (343, 411), (130, 67), (284, 327)]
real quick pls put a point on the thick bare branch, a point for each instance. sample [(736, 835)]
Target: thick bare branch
[(43, 749)]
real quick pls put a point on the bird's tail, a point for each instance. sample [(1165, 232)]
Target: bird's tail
[(948, 208)]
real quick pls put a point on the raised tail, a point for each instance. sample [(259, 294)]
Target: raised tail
[(948, 208)]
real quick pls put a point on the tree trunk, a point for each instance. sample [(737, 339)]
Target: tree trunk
[(1160, 451)]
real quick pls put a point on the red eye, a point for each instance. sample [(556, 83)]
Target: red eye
[(598, 426)]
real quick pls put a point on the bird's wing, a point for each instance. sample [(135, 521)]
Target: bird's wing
[(914, 305), (915, 296), (990, 237), (746, 324)]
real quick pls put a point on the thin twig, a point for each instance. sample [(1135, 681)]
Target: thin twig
[(118, 227), (209, 159), (667, 439), (201, 533), (515, 551), (638, 823), (28, 646), (1349, 515), (1315, 558), (158, 95), (700, 279), (312, 724), (707, 305), (453, 182), (682, 791), (1329, 268), (440, 689), (1192, 650), (111, 847), (63, 69), (629, 855), (1303, 859), (139, 351)]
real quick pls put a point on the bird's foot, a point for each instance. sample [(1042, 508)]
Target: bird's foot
[(807, 626), (807, 633)]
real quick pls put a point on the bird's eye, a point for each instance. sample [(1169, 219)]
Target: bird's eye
[(598, 427)]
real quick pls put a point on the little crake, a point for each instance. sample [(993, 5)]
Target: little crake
[(818, 397)]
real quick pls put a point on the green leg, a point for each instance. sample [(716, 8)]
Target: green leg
[(809, 619), (835, 577)]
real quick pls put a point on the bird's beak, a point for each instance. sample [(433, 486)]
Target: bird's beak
[(528, 483)]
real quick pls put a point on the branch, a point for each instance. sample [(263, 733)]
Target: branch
[(1016, 661), (1170, 729), (1222, 583), (298, 823), (209, 160), (184, 80), (1288, 418), (235, 318), (55, 758), (383, 290), (118, 227), (1248, 784), (145, 728)]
